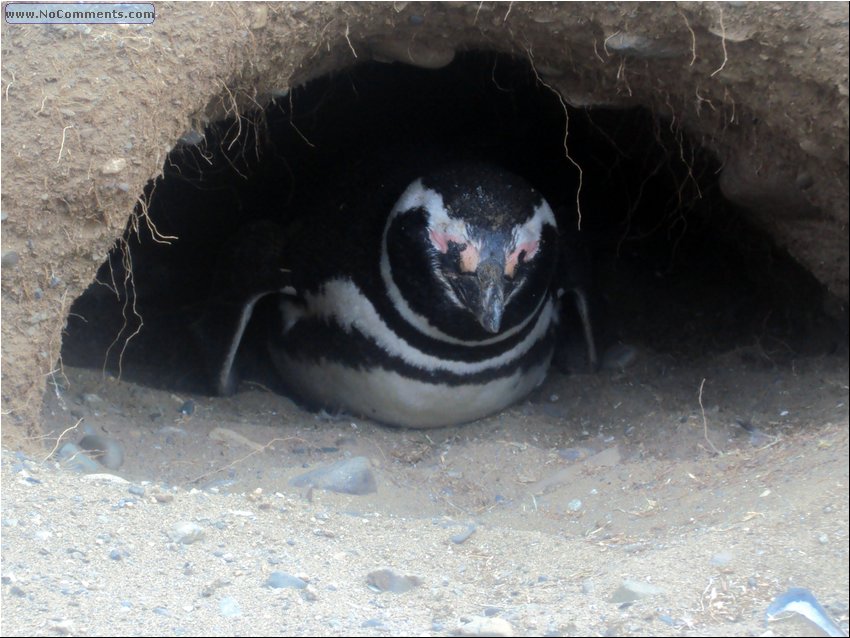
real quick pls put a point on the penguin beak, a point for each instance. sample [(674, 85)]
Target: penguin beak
[(491, 300)]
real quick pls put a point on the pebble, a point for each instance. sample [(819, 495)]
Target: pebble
[(108, 451), (281, 580), (464, 535), (632, 590), (412, 52), (188, 408), (113, 166), (386, 580), (721, 559), (574, 505), (108, 478), (91, 400), (619, 357), (484, 626), (229, 608), (10, 258), (73, 458), (186, 532), (191, 138), (349, 476), (639, 46)]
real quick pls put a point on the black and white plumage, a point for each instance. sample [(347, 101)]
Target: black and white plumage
[(437, 310)]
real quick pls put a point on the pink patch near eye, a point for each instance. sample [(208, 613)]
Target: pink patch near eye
[(469, 259), (527, 250), (441, 240)]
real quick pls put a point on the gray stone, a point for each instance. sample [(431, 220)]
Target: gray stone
[(386, 580), (186, 532), (632, 590), (72, 457), (281, 580), (350, 476), (108, 451)]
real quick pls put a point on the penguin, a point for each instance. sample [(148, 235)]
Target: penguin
[(433, 303)]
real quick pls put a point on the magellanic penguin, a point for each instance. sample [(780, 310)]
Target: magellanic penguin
[(437, 310)]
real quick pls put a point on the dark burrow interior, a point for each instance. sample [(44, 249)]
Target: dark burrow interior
[(670, 266)]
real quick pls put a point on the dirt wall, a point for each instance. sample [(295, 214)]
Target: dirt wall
[(90, 112)]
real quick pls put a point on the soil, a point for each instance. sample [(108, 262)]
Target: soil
[(721, 478), (722, 482)]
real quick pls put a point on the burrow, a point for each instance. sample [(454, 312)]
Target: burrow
[(712, 144), (671, 265)]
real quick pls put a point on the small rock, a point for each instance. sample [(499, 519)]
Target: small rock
[(349, 476), (73, 458), (114, 166), (188, 408), (10, 258), (464, 535), (229, 608), (721, 559), (632, 590), (574, 505), (91, 400), (186, 532), (386, 580), (804, 181), (281, 580), (412, 52), (107, 478), (619, 357), (62, 627), (191, 138), (108, 451), (483, 626)]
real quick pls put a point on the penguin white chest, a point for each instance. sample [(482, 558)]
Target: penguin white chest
[(406, 386)]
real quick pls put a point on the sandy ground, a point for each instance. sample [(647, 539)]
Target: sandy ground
[(596, 480)]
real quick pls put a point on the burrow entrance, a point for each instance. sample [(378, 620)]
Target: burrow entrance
[(672, 266)]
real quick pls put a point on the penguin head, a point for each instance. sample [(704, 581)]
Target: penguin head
[(471, 248)]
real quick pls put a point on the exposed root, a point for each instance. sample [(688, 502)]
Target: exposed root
[(129, 288), (62, 145), (693, 38), (59, 439), (557, 94), (723, 44), (705, 422)]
